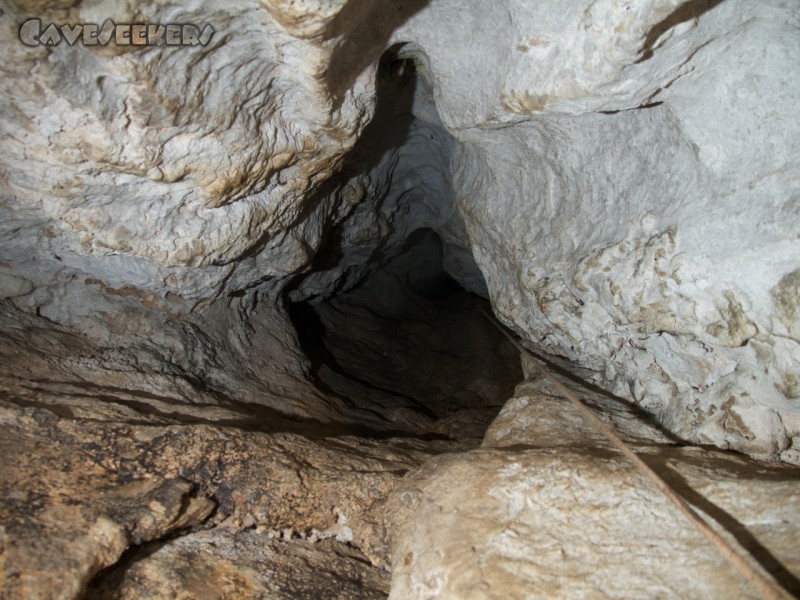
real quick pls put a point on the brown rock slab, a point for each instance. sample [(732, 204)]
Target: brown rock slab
[(220, 564), (547, 509)]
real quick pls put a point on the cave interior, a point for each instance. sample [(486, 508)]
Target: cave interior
[(319, 309)]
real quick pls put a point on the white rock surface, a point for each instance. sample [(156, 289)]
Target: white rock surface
[(547, 509), (656, 246), (162, 166)]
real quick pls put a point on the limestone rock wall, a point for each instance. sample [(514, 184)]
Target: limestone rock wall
[(187, 168), (629, 180), (625, 174), (543, 510)]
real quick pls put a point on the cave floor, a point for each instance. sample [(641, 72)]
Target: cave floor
[(541, 508), (462, 479)]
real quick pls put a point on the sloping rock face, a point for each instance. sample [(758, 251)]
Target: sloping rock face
[(547, 509)]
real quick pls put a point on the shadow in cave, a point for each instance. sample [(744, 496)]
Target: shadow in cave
[(741, 532), (687, 11), (389, 128), (411, 345), (388, 332), (395, 86), (375, 24)]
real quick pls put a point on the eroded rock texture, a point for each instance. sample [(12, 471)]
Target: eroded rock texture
[(222, 564), (623, 173), (77, 492), (554, 512), (241, 286)]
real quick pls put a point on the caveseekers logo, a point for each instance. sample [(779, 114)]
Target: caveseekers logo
[(32, 34)]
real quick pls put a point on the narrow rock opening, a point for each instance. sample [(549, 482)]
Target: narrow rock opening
[(388, 315), (410, 344)]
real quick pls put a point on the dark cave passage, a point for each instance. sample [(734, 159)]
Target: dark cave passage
[(388, 315), (410, 344)]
